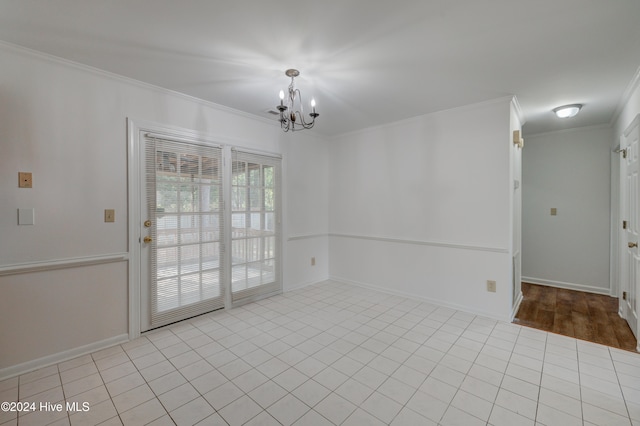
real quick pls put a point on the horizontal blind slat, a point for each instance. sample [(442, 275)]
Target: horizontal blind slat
[(184, 193)]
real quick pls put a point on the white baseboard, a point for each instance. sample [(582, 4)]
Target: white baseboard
[(25, 367), (568, 286), (300, 286), (437, 302)]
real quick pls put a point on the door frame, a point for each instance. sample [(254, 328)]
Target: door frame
[(134, 182), (623, 279)]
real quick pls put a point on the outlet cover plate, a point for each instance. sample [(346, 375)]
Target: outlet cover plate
[(109, 215), (26, 217), (25, 180)]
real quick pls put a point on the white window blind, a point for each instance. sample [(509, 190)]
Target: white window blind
[(255, 225), (184, 202)]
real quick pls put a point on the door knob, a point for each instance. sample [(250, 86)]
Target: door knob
[(149, 239), (632, 245)]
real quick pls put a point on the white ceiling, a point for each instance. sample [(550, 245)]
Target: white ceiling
[(366, 62)]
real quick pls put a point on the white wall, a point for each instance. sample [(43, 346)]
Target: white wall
[(568, 170), (423, 208), (307, 212), (67, 125)]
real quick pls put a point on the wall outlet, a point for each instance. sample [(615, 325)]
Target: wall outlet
[(109, 215), (25, 180), (491, 286), (554, 211), (313, 261)]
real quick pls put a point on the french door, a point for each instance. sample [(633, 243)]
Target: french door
[(197, 255)]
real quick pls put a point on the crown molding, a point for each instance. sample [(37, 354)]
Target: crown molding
[(404, 122), (570, 130), (633, 85), (518, 110), (130, 81)]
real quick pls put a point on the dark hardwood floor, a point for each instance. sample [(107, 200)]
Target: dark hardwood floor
[(585, 316)]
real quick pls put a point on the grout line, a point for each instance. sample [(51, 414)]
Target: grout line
[(335, 312)]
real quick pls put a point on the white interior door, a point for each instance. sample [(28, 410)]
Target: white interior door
[(631, 226), (181, 230)]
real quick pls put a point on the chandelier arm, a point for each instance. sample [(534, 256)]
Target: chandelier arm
[(304, 122)]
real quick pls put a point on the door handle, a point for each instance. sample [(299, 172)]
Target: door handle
[(632, 245), (149, 239)]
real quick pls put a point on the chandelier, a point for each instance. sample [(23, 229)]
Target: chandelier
[(291, 113)]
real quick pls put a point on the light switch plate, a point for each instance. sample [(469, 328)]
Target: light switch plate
[(25, 180), (26, 217), (491, 286), (554, 211), (109, 215)]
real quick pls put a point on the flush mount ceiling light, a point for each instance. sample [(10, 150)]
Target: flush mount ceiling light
[(291, 112), (567, 111)]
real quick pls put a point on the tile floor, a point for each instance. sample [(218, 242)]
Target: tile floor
[(334, 354)]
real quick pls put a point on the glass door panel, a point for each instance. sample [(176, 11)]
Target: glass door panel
[(185, 223), (255, 226)]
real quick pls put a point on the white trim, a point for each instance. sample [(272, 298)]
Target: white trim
[(227, 215), (171, 138), (133, 190), (253, 298), (25, 367), (570, 130), (516, 306), (518, 110), (184, 134), (128, 80), (567, 286), (72, 262), (306, 237), (134, 128), (134, 182), (423, 243), (300, 286), (626, 95), (631, 127), (406, 121), (236, 148), (615, 229), (436, 302)]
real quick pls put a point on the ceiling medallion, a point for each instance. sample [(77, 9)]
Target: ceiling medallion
[(291, 112)]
